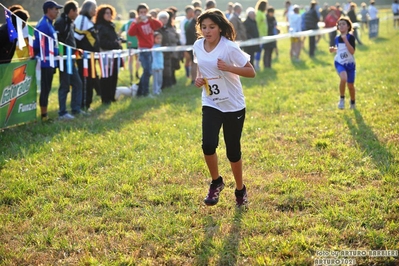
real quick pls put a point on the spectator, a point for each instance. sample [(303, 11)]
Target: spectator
[(45, 26), (87, 40), (108, 40), (353, 17), (197, 4), (364, 14), (238, 25), (191, 37), (261, 7), (229, 11), (324, 12), (169, 38), (189, 10), (157, 64), (65, 29), (288, 11), (331, 22), (272, 30), (144, 29), (373, 11), (252, 33), (210, 4), (395, 11), (295, 22), (23, 53), (7, 47), (311, 20), (131, 44)]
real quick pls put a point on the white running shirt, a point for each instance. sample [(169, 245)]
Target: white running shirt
[(228, 95)]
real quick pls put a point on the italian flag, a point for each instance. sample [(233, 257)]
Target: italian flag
[(30, 38)]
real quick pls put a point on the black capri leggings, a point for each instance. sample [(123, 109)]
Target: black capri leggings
[(233, 122)]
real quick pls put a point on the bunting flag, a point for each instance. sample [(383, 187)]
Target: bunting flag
[(119, 62), (21, 39), (30, 38), (93, 66), (69, 60), (111, 63), (12, 33), (61, 56), (85, 65), (38, 75), (42, 47), (101, 61), (106, 66), (51, 52)]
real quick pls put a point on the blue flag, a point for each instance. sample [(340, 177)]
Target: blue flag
[(12, 32)]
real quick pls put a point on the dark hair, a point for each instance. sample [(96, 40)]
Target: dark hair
[(261, 5), (132, 14), (142, 6), (157, 33), (210, 4), (15, 7), (227, 29), (101, 11), (22, 14), (270, 9), (188, 8), (348, 22), (70, 5)]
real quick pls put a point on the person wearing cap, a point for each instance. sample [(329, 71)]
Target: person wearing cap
[(45, 26), (364, 16), (65, 28), (7, 47)]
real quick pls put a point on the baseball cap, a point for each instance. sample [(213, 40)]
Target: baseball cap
[(51, 4)]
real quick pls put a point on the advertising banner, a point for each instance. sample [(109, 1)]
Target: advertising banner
[(373, 28), (18, 93)]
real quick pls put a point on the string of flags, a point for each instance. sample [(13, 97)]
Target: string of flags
[(106, 59)]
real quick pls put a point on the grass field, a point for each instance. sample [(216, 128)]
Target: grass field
[(125, 186)]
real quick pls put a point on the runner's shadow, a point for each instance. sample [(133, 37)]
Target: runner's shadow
[(368, 142), (229, 253)]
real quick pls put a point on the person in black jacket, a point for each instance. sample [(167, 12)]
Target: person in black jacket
[(65, 30), (311, 20), (109, 40), (252, 33), (353, 17), (271, 30), (87, 40), (7, 48), (191, 37)]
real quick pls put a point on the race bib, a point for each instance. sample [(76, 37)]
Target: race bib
[(215, 89)]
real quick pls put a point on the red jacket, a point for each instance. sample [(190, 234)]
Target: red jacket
[(144, 31)]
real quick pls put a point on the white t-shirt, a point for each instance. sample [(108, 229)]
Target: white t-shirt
[(228, 96)]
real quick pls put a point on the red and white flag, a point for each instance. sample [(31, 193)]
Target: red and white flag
[(42, 47), (51, 51), (85, 65)]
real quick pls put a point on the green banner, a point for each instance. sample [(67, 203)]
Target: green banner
[(18, 93)]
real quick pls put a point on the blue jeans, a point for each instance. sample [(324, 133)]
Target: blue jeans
[(146, 62), (67, 80)]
